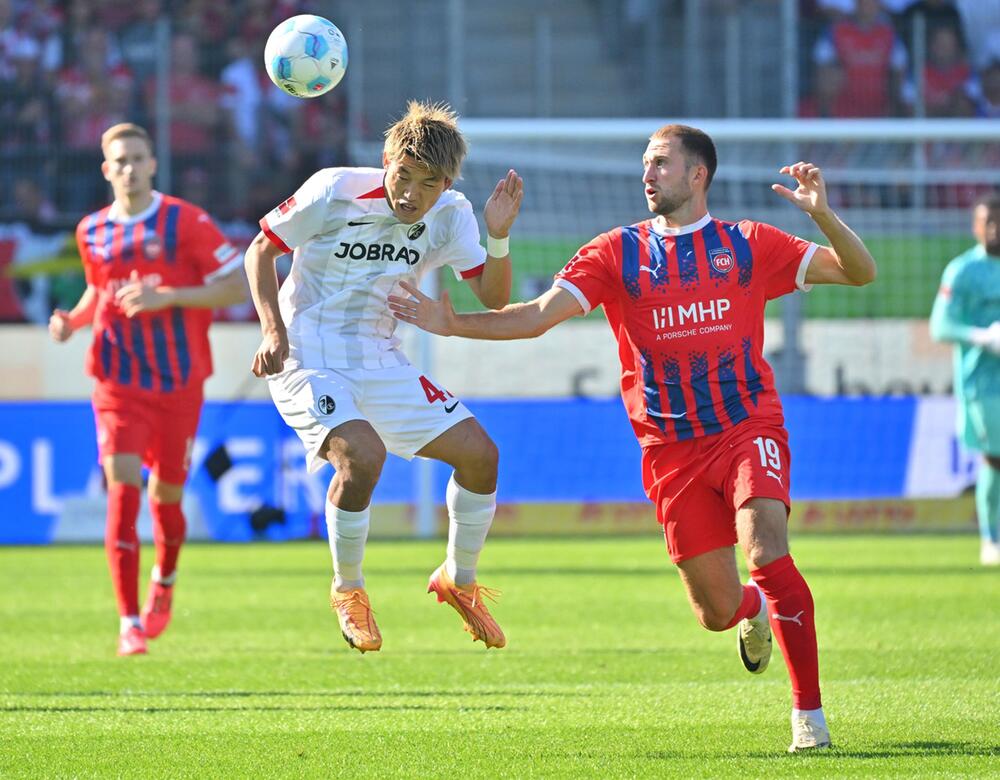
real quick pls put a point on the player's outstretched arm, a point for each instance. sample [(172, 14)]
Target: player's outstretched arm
[(515, 321), (259, 262), (62, 324), (847, 259), (492, 287)]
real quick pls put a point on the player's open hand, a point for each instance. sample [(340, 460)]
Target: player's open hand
[(271, 354), (434, 316), (503, 205), (810, 195), (60, 327), (138, 296)]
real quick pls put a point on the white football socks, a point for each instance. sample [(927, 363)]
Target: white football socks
[(348, 533), (165, 581), (816, 716), (128, 621), (469, 518)]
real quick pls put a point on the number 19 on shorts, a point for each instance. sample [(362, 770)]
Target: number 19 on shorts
[(770, 457)]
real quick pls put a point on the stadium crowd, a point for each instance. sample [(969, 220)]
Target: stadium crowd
[(863, 57), (69, 70), (239, 143)]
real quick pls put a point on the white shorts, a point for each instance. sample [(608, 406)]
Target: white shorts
[(406, 409)]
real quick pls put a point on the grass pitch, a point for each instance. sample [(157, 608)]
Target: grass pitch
[(606, 672)]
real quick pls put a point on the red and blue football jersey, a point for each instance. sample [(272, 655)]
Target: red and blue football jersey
[(687, 309), (172, 243)]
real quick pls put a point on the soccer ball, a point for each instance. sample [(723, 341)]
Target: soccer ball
[(306, 55)]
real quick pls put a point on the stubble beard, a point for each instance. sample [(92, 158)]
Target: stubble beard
[(671, 202)]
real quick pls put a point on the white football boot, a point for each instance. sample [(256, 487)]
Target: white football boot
[(989, 553), (809, 731)]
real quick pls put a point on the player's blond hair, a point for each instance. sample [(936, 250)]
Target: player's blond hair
[(428, 133), (125, 130)]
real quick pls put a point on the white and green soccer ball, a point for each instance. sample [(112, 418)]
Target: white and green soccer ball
[(306, 55)]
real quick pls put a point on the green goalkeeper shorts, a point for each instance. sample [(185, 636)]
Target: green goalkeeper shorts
[(979, 425)]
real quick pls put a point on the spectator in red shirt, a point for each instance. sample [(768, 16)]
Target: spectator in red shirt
[(195, 111), (91, 97), (88, 89), (194, 101), (865, 45), (946, 73)]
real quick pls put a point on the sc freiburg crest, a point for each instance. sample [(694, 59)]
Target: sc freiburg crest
[(416, 231)]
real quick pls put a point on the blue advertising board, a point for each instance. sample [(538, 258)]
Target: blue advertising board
[(559, 450)]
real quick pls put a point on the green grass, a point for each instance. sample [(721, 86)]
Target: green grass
[(606, 672), (909, 274)]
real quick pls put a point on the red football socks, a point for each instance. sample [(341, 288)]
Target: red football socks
[(749, 605), (169, 529), (121, 542), (790, 608)]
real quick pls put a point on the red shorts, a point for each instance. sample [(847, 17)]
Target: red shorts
[(698, 485), (158, 427)]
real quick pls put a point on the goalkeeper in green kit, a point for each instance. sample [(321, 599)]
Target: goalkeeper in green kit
[(967, 313)]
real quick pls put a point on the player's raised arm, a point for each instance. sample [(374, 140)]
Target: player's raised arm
[(847, 260), (515, 321), (492, 287), (259, 262)]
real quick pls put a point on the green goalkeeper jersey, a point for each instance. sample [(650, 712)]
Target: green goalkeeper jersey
[(969, 297)]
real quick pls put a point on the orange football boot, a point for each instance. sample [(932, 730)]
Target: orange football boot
[(156, 611), (357, 623), (467, 601)]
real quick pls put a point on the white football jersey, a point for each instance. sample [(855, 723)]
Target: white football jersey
[(350, 254)]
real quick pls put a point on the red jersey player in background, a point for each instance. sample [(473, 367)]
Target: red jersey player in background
[(155, 266), (684, 294)]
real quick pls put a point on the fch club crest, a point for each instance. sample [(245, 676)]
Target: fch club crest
[(721, 260)]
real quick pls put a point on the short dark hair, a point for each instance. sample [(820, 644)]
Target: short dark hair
[(989, 199), (697, 143)]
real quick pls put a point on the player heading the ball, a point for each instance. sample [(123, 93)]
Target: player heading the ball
[(333, 363)]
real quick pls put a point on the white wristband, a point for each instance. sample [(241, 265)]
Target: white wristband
[(497, 247)]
